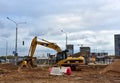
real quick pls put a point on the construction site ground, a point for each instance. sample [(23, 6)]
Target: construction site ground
[(84, 74)]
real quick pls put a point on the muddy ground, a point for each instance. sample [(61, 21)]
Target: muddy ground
[(88, 74)]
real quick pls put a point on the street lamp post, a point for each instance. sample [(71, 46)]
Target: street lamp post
[(16, 53), (66, 37), (16, 35)]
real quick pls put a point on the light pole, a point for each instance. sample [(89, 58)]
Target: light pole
[(16, 53), (66, 37)]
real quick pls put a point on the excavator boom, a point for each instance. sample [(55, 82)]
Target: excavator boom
[(47, 44), (50, 45)]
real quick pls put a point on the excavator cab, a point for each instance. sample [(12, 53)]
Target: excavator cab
[(61, 55)]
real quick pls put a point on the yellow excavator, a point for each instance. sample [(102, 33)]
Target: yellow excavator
[(29, 61), (61, 57)]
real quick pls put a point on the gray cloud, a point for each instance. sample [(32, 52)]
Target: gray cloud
[(1, 25), (84, 21)]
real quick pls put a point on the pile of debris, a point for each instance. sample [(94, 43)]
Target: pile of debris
[(114, 67)]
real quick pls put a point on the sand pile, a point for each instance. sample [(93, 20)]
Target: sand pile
[(8, 66), (114, 67)]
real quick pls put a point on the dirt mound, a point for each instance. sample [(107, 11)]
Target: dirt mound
[(8, 66), (114, 67)]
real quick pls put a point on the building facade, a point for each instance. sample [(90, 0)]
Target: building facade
[(70, 49), (117, 44), (85, 51)]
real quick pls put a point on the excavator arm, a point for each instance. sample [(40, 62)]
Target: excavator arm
[(50, 45), (47, 44), (32, 47)]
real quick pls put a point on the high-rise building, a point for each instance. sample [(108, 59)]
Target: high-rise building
[(85, 51), (117, 44), (70, 49)]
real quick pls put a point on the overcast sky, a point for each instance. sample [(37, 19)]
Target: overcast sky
[(89, 22)]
